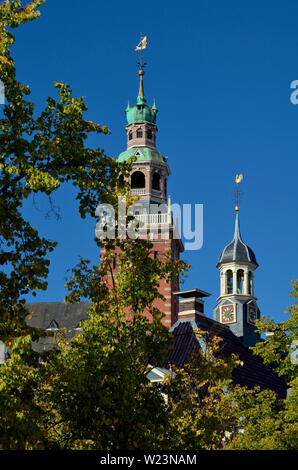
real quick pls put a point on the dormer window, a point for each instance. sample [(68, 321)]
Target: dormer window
[(53, 325), (139, 133), (79, 326)]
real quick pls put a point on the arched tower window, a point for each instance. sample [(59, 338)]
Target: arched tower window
[(156, 181), (139, 133), (240, 281), (250, 283), (137, 180), (149, 134), (130, 135), (229, 281)]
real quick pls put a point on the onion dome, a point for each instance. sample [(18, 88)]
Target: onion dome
[(141, 112), (237, 250)]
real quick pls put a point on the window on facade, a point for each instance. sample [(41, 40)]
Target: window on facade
[(149, 134), (114, 262), (229, 282), (139, 133), (155, 254), (137, 180), (130, 135), (156, 181)]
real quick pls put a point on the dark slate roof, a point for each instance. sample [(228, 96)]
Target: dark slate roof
[(65, 315), (60, 314), (237, 250), (253, 372)]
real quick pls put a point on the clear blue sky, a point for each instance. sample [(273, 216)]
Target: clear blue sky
[(221, 74)]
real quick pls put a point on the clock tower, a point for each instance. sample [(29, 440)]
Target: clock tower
[(236, 306)]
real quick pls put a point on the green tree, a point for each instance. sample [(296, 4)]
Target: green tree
[(269, 422), (39, 153), (96, 394)]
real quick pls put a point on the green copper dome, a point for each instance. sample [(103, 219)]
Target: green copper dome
[(142, 154), (141, 112)]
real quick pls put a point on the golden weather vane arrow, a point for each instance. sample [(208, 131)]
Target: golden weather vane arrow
[(140, 47), (238, 193)]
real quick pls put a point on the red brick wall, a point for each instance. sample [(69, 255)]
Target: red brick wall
[(170, 305)]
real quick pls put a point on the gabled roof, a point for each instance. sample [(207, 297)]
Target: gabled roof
[(253, 372), (61, 314), (64, 314)]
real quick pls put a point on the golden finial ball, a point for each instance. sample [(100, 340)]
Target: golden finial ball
[(237, 208)]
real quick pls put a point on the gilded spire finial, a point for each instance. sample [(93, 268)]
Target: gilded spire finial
[(237, 192), (142, 45)]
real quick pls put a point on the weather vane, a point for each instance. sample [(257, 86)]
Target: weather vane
[(142, 45), (237, 193)]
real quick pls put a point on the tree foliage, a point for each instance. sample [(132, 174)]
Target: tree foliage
[(91, 391), (39, 153), (268, 422)]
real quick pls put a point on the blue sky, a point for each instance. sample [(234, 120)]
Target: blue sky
[(220, 73)]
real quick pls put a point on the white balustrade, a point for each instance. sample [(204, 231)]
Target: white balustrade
[(138, 192)]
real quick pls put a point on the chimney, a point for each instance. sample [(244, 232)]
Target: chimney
[(191, 303)]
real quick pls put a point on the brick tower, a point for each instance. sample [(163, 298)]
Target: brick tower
[(148, 180)]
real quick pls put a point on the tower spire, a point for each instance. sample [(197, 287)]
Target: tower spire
[(142, 45), (141, 97)]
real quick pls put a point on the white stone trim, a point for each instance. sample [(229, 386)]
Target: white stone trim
[(190, 312)]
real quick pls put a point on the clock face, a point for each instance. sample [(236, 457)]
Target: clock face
[(228, 314), (251, 314)]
